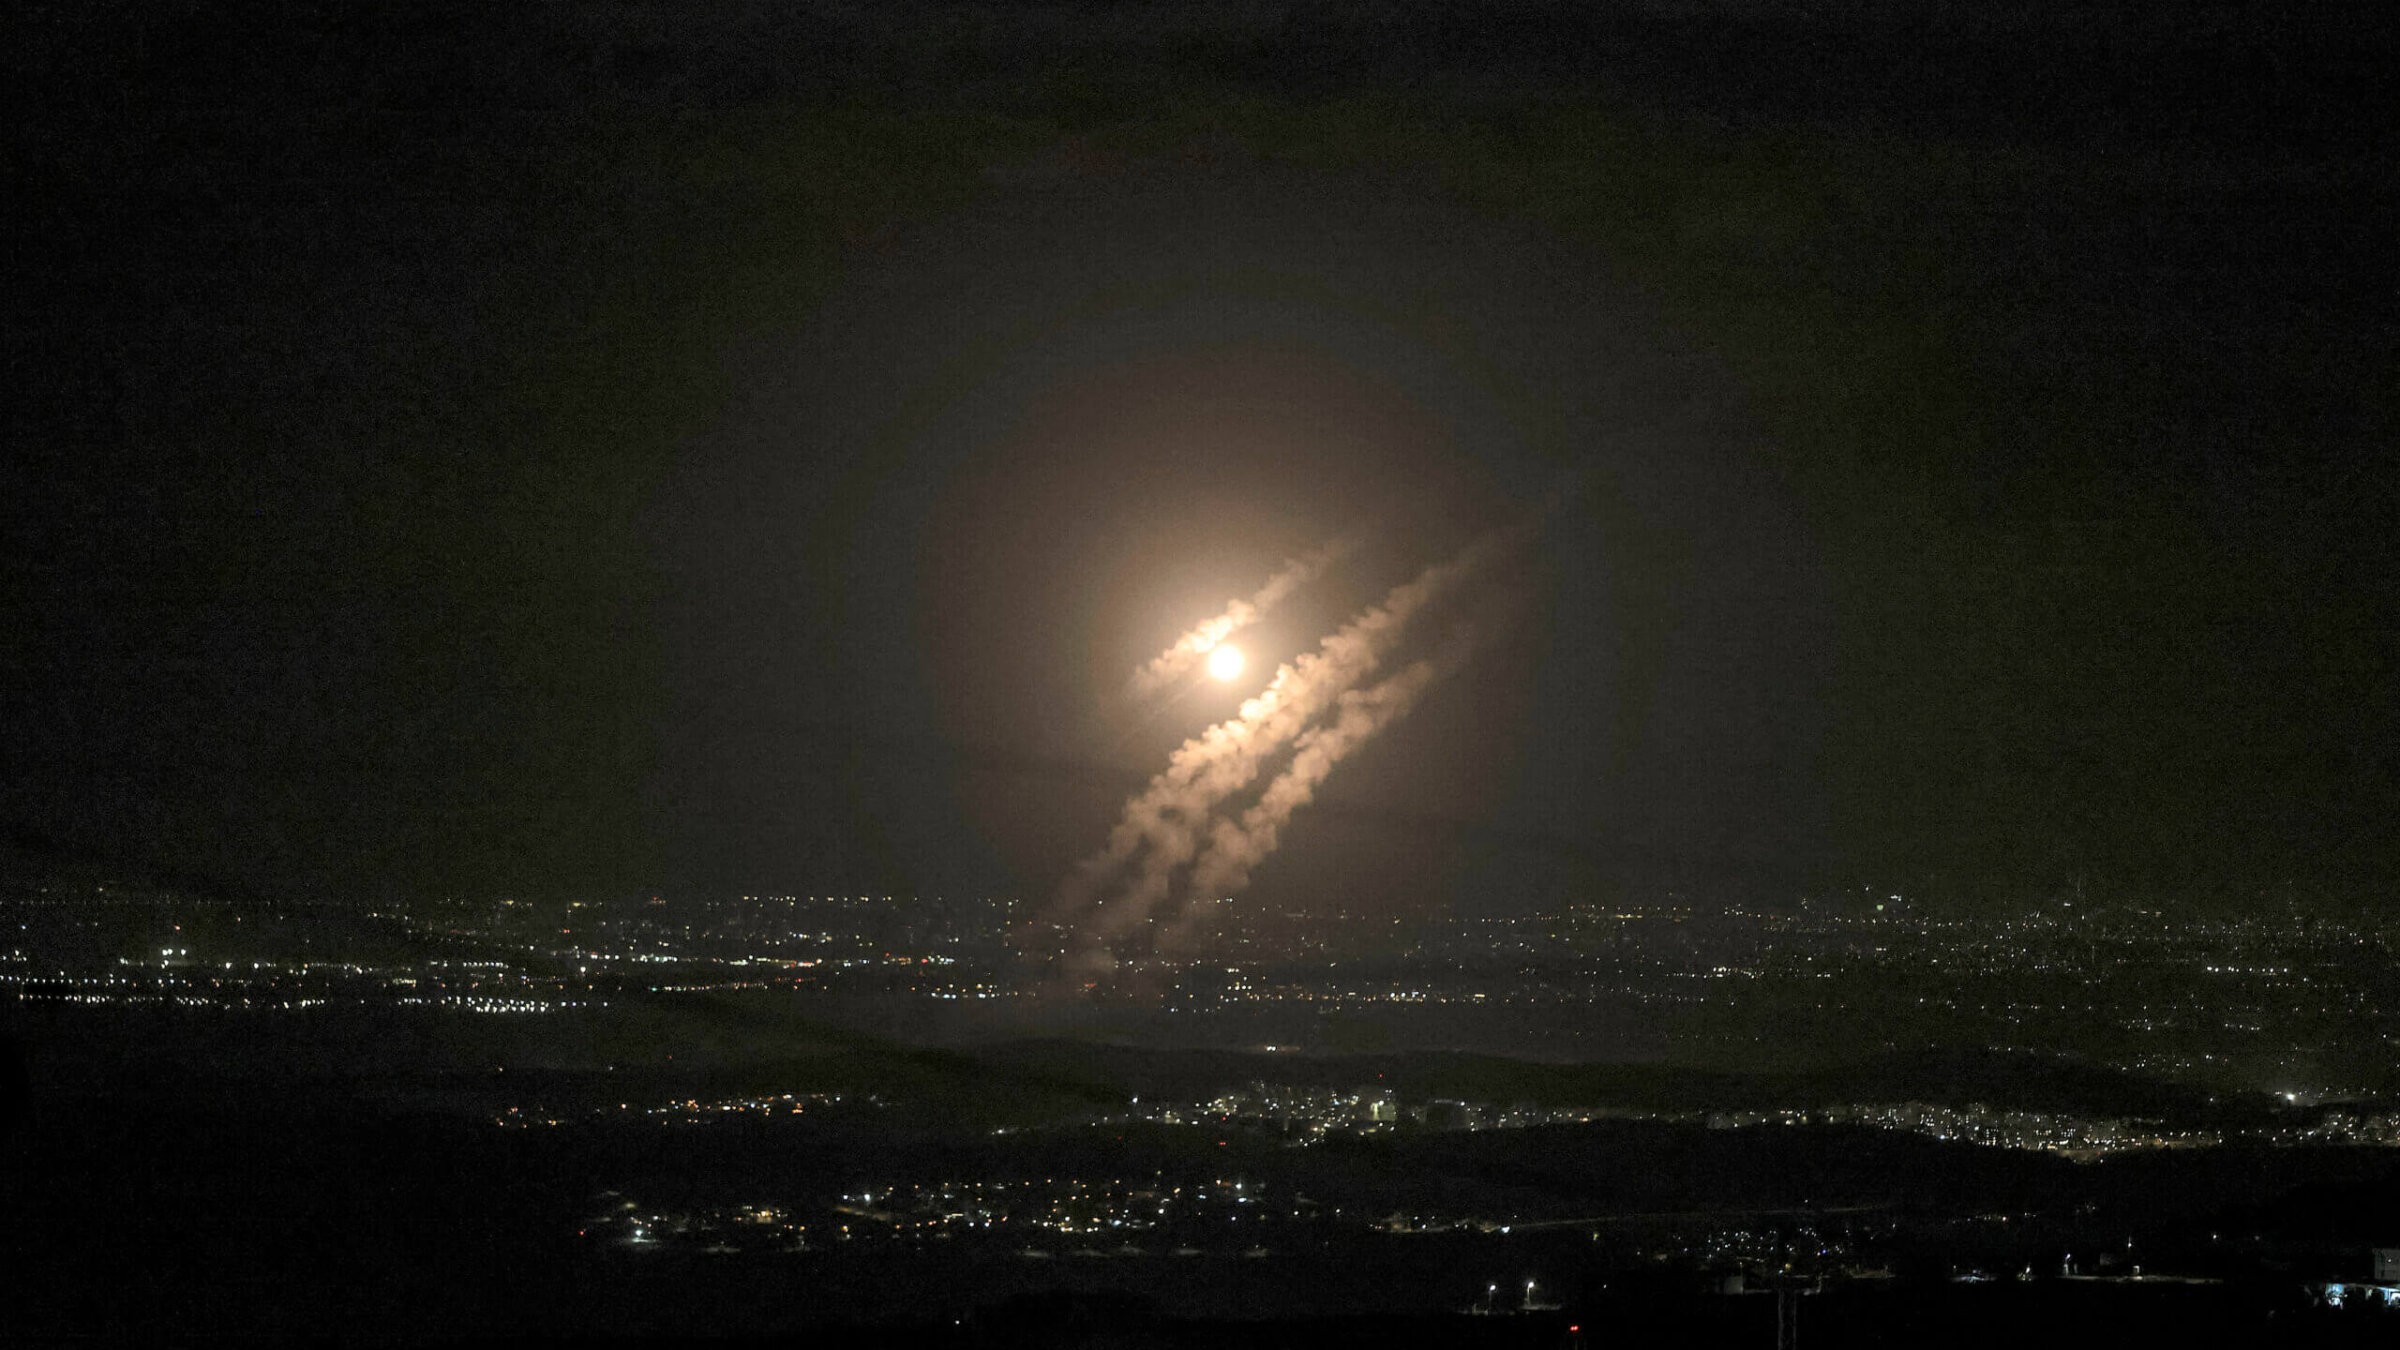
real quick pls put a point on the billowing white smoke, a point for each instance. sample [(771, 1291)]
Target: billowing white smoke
[(1164, 826), (1180, 660), (1238, 845)]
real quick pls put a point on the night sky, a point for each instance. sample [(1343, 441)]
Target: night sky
[(492, 453)]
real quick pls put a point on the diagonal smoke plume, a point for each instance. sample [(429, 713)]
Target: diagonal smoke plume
[(1236, 846), (1179, 660), (1163, 827)]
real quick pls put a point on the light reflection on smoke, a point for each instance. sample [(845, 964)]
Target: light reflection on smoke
[(1182, 658)]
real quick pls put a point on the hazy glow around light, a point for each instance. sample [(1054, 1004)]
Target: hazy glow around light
[(1225, 661)]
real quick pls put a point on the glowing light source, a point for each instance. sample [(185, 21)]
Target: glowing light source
[(1225, 661)]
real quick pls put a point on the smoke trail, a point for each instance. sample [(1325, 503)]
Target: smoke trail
[(1170, 815), (1235, 847), (1179, 660)]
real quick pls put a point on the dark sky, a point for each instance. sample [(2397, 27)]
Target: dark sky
[(587, 453)]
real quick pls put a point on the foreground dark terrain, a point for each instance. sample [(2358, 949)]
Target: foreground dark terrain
[(1018, 1195)]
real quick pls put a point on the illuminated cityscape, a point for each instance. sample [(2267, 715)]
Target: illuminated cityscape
[(2293, 1006)]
